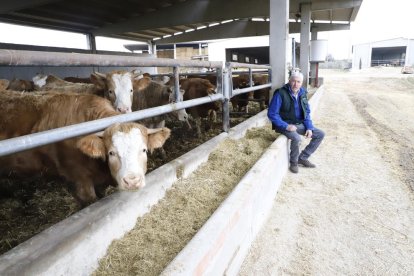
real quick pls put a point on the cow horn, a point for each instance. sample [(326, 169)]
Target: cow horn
[(153, 130), (99, 134)]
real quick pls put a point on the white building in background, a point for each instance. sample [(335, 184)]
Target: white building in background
[(394, 52), (243, 49)]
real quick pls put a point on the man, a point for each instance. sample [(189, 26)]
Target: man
[(289, 113)]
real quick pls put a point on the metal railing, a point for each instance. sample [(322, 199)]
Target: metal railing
[(33, 58), (388, 62)]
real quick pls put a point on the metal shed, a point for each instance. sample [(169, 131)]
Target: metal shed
[(391, 52), (175, 21)]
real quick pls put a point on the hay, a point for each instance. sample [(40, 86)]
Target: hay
[(167, 228)]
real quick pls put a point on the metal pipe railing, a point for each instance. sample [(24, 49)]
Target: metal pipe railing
[(37, 58), (249, 89), (38, 139)]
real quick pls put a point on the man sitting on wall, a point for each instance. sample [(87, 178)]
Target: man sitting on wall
[(289, 113)]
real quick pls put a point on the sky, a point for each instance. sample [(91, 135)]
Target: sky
[(376, 20)]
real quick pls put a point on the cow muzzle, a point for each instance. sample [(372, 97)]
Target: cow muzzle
[(132, 182)]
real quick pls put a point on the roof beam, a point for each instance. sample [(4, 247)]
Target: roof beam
[(243, 29), (321, 5), (9, 6), (190, 12)]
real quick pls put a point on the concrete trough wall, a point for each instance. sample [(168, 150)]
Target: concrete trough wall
[(221, 245)]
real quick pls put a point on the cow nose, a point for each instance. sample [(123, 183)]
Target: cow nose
[(124, 109), (133, 181)]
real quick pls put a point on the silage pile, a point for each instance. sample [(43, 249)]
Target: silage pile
[(162, 233)]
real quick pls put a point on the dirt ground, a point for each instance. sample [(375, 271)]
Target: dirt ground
[(354, 213)]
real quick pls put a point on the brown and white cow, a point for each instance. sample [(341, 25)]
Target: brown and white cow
[(89, 163), (115, 86)]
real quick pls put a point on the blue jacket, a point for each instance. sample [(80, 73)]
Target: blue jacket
[(279, 118)]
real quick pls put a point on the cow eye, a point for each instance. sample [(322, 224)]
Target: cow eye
[(144, 150), (111, 153), (110, 92), (131, 91)]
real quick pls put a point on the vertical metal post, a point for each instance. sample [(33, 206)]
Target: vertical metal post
[(226, 81), (176, 83), (304, 41), (250, 77), (293, 53), (278, 41), (91, 43), (175, 51)]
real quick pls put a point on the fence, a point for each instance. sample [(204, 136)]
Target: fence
[(388, 62), (56, 59)]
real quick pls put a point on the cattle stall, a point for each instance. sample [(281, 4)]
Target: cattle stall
[(25, 58)]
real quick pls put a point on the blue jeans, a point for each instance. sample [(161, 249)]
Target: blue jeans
[(296, 139)]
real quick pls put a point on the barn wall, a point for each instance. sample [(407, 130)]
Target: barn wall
[(361, 56), (409, 58), (217, 50), (363, 52), (184, 53)]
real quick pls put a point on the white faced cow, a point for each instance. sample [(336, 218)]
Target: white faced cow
[(116, 157), (115, 86)]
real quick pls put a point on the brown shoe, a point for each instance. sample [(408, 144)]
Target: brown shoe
[(294, 167), (306, 163)]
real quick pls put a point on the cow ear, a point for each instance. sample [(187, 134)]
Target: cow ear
[(92, 145), (141, 84), (99, 80), (157, 137), (135, 73)]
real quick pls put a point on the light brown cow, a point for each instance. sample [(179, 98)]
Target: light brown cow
[(115, 86), (4, 84), (82, 161)]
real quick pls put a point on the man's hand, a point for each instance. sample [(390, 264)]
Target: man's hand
[(291, 128), (308, 133)]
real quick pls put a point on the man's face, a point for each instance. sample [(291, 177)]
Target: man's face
[(295, 84)]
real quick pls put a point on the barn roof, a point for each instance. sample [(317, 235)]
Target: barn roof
[(171, 21)]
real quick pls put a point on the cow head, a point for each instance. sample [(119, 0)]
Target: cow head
[(117, 87), (125, 147)]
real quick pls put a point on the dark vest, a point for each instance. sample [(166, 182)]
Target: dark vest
[(287, 109)]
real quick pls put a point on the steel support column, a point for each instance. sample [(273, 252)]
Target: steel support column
[(278, 39), (304, 41)]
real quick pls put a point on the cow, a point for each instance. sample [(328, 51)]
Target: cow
[(117, 156), (197, 88), (21, 85), (115, 86), (261, 95), (4, 84)]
